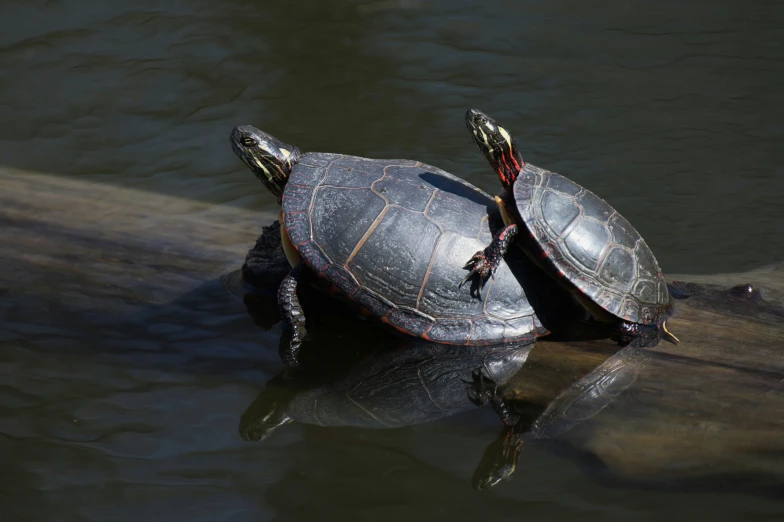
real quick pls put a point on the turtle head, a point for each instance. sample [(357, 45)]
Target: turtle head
[(497, 145), (270, 159)]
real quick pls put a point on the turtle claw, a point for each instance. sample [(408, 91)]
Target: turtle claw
[(478, 265), (485, 262)]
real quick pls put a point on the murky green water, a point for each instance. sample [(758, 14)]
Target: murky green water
[(122, 388)]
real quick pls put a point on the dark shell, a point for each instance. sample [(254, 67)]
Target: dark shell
[(585, 240), (393, 236)]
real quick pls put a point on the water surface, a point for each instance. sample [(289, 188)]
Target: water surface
[(126, 363)]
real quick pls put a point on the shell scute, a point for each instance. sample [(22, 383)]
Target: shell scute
[(563, 185), (618, 268), (342, 217), (409, 321), (558, 211), (593, 207), (586, 241), (297, 198), (450, 330), (298, 227)]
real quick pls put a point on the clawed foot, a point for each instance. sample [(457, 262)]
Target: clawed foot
[(484, 263), (479, 266)]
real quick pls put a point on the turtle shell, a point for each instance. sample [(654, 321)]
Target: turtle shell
[(584, 240), (393, 236)]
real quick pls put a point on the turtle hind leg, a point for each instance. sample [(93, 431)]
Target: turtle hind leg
[(484, 263), (293, 317)]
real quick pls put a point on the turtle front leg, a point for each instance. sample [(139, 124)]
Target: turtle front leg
[(293, 317), (485, 262)]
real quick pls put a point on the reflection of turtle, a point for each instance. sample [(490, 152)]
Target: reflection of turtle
[(706, 413), (391, 236), (389, 389), (577, 238), (579, 402), (696, 414), (710, 410)]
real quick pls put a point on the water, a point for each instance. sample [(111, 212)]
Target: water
[(126, 363)]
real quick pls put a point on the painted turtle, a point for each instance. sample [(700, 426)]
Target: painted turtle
[(391, 236), (577, 238)]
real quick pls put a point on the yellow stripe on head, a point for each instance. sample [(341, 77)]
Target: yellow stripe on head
[(263, 167), (506, 136), (479, 133)]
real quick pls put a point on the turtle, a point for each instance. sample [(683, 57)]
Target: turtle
[(388, 236), (577, 238)]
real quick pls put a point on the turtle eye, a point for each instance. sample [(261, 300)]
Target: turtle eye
[(248, 141)]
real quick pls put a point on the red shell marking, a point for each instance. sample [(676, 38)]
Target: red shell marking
[(392, 236), (582, 237)]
